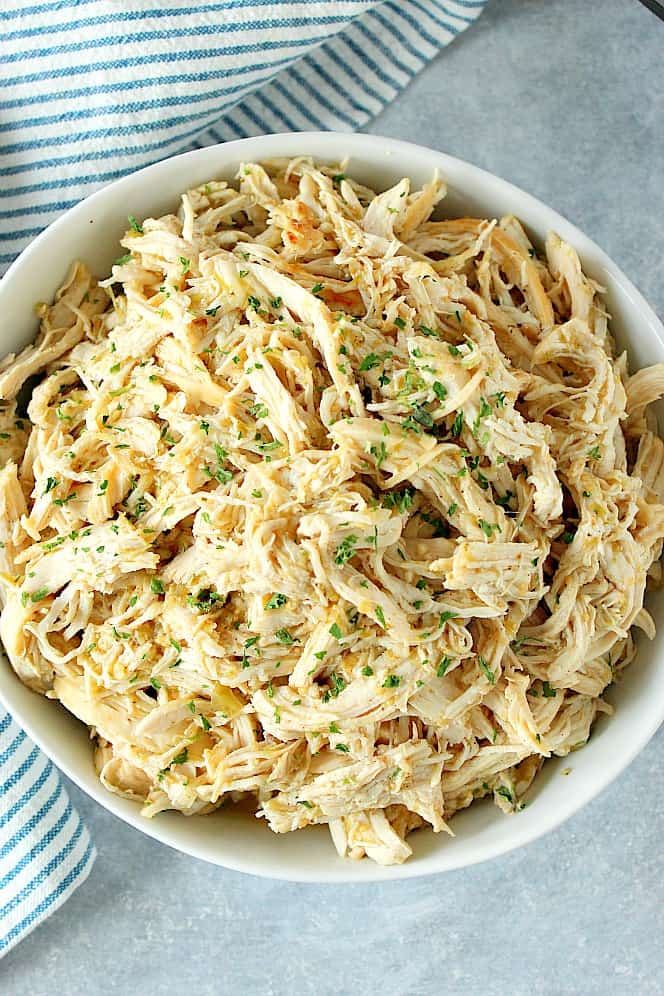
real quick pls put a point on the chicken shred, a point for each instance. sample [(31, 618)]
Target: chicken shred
[(326, 502)]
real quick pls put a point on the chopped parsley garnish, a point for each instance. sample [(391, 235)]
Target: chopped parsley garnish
[(285, 638), (439, 390), (317, 288), (595, 453), (266, 447), (400, 500), (506, 794), (103, 488), (453, 350), (486, 670), (212, 312), (346, 550), (443, 666), (568, 536), (380, 454), (370, 361), (367, 671), (259, 410), (134, 225), (63, 501), (157, 586), (181, 757), (156, 684), (40, 595), (380, 616), (276, 601), (452, 508), (344, 748), (206, 600), (427, 331), (423, 417), (337, 684), (335, 631), (121, 260), (547, 691), (457, 424), (488, 528), (392, 681), (400, 323), (445, 617), (51, 482), (184, 263)]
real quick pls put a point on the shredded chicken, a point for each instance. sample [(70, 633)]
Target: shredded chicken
[(327, 503)]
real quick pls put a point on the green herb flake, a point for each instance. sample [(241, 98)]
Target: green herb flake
[(380, 454), (487, 528), (443, 666), (445, 617), (370, 361), (457, 425), (345, 550), (276, 601), (486, 670)]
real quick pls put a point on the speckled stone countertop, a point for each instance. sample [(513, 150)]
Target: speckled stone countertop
[(566, 99)]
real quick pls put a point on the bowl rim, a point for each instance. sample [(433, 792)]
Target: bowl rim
[(355, 145)]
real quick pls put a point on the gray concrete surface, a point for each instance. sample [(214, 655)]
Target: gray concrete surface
[(566, 99)]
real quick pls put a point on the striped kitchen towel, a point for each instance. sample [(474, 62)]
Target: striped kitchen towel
[(45, 848), (92, 89)]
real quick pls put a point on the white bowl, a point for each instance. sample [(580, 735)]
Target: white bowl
[(90, 231)]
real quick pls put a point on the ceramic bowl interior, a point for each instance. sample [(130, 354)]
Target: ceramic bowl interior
[(90, 231)]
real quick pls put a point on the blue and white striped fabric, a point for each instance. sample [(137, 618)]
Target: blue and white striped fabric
[(92, 89), (45, 848)]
